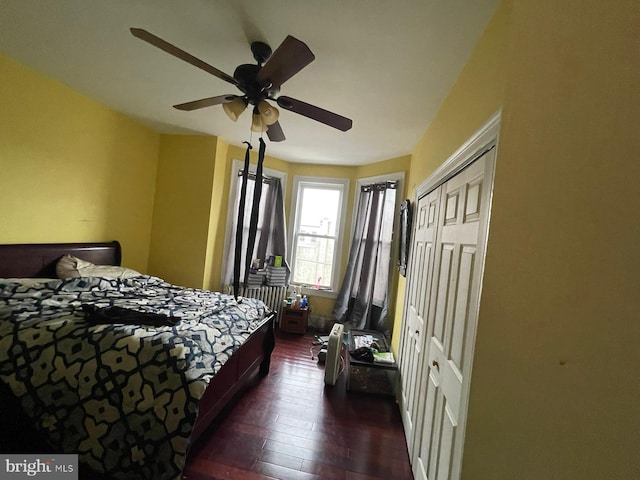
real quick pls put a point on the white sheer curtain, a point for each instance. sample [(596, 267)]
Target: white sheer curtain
[(363, 297)]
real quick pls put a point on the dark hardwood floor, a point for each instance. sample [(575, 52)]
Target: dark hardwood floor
[(289, 426)]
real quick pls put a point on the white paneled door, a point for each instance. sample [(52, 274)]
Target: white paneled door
[(421, 269), (444, 280), (452, 317)]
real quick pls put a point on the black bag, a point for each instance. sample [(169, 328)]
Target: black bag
[(126, 316)]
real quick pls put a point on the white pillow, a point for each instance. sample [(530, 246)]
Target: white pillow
[(69, 266)]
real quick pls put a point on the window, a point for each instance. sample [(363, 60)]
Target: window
[(232, 215), (316, 238)]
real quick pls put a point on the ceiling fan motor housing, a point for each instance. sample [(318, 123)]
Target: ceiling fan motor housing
[(246, 75)]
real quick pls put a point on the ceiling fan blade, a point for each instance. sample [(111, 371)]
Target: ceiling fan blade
[(315, 113), (181, 54), (205, 102), (289, 58), (275, 133)]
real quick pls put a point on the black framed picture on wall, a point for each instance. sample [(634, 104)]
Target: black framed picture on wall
[(405, 234)]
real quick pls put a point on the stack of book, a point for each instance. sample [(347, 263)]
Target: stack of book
[(256, 279), (276, 276)]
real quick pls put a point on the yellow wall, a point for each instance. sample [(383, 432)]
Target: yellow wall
[(182, 209), (393, 165), (554, 393), (555, 390), (72, 170), (477, 94), (217, 217)]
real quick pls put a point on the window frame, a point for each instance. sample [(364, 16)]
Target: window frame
[(340, 184)]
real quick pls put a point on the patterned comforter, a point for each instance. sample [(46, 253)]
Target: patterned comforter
[(124, 397)]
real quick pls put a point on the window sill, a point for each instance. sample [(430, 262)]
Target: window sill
[(313, 292)]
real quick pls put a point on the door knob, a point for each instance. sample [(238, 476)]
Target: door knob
[(436, 364)]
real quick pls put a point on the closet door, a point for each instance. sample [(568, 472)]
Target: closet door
[(451, 322), (419, 271)]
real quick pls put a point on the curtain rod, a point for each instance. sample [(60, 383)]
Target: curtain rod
[(252, 176), (390, 184)]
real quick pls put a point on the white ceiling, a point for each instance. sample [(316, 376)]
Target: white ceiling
[(385, 64)]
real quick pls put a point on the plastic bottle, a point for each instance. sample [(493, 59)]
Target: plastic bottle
[(304, 302)]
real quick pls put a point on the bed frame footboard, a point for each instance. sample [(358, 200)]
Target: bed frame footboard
[(251, 359)]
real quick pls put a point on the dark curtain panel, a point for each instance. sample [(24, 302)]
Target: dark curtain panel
[(271, 237), (363, 297), (273, 231)]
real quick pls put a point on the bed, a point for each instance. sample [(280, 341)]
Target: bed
[(130, 395)]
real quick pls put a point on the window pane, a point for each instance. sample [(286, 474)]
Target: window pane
[(319, 212), (313, 261)]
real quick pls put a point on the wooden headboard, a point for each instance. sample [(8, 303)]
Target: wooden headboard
[(38, 260)]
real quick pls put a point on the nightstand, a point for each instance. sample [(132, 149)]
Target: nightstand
[(294, 319)]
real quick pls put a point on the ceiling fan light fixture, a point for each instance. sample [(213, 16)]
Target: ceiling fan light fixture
[(268, 113), (257, 125), (234, 108)]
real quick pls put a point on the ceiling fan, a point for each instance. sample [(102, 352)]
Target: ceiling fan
[(258, 83)]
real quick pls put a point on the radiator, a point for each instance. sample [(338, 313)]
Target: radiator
[(273, 297)]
